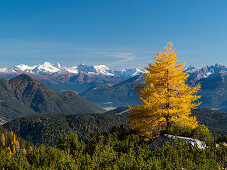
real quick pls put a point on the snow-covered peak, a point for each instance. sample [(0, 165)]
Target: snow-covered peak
[(97, 69), (128, 72), (46, 67), (59, 65), (132, 71), (192, 69), (25, 68), (47, 64), (86, 69), (102, 69), (196, 73), (71, 70), (7, 70), (212, 68)]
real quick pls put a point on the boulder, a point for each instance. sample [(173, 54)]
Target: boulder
[(160, 141)]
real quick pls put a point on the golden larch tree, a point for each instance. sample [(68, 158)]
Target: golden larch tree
[(166, 98), (3, 140)]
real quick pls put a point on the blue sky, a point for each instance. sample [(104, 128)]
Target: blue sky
[(117, 33)]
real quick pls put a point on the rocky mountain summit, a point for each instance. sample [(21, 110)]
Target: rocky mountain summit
[(204, 72)]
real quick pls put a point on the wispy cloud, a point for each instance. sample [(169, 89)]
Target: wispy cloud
[(118, 59), (124, 58), (99, 52)]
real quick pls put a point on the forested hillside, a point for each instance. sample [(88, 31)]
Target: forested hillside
[(10, 107), (13, 143), (215, 121), (23, 95), (46, 129)]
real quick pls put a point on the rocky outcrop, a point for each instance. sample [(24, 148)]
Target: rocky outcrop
[(160, 141)]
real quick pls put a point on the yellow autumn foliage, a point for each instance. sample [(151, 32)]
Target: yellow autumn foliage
[(166, 98), (3, 139)]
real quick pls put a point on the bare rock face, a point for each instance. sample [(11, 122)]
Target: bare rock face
[(160, 141)]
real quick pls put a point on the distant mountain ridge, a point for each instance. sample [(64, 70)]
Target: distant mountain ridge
[(197, 74), (78, 78), (49, 69)]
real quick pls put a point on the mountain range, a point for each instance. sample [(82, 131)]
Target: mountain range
[(213, 80), (49, 68), (77, 78), (23, 95), (109, 88), (196, 74)]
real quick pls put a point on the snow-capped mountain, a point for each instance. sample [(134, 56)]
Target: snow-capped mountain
[(49, 68), (197, 74), (128, 72)]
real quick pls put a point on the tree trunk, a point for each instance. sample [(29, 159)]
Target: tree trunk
[(168, 124)]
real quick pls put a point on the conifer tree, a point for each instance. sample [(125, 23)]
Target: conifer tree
[(166, 98), (24, 151), (3, 140)]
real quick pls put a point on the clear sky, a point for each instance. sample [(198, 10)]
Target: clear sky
[(117, 33)]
